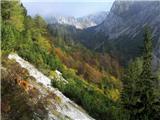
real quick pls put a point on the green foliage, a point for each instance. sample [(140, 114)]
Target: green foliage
[(139, 97), (26, 36), (91, 98), (8, 38), (13, 14), (29, 38), (158, 74), (32, 44), (65, 37), (40, 24), (130, 80), (150, 104), (147, 55)]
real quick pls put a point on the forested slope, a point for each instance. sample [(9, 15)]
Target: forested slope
[(29, 38), (94, 80)]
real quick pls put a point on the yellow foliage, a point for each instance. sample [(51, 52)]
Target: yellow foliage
[(116, 81), (52, 74), (44, 43), (17, 22), (16, 16), (114, 94)]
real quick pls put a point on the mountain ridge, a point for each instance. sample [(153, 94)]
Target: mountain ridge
[(80, 22), (122, 31)]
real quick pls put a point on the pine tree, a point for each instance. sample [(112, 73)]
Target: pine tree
[(8, 38), (139, 98), (40, 24), (130, 80), (12, 23), (13, 14), (147, 85)]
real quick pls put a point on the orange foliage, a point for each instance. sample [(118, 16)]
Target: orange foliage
[(66, 59), (91, 67), (25, 85), (59, 53), (85, 65), (92, 74)]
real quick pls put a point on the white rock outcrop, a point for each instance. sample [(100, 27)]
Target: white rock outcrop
[(66, 107)]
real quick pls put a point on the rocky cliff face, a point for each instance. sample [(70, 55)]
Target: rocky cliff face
[(79, 23), (129, 18), (125, 23), (97, 18)]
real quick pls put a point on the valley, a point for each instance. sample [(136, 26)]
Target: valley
[(101, 66)]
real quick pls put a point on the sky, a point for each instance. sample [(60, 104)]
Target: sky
[(76, 8)]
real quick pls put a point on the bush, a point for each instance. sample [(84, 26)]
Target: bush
[(88, 96)]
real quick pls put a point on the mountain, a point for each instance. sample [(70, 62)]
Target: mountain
[(129, 17), (97, 18), (29, 88), (121, 33), (47, 74), (79, 23), (125, 23)]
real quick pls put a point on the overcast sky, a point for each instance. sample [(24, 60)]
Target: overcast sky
[(76, 8)]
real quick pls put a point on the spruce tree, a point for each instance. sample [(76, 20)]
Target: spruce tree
[(130, 79), (148, 104), (139, 98)]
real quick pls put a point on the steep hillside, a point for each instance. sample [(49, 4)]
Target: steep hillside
[(121, 33), (96, 92), (129, 17), (51, 103), (48, 74), (76, 56)]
